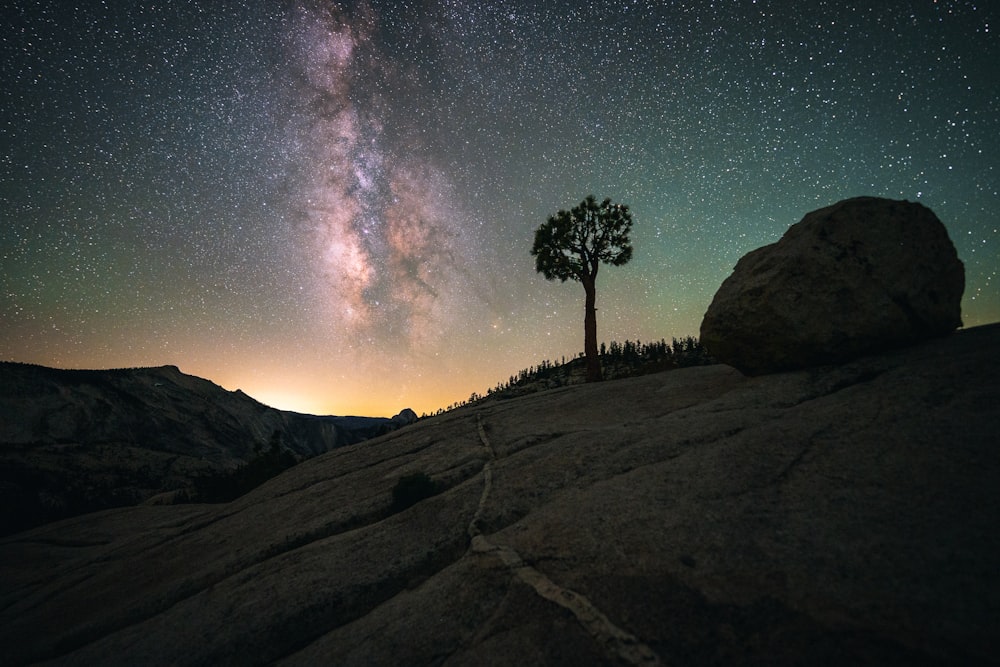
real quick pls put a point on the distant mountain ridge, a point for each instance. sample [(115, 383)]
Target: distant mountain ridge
[(74, 441)]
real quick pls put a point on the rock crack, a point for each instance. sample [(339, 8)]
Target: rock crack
[(620, 646)]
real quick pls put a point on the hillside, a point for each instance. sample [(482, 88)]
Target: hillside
[(75, 441), (841, 515)]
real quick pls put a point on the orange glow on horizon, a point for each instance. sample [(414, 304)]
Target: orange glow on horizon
[(357, 405)]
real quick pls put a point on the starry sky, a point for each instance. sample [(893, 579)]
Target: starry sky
[(331, 205)]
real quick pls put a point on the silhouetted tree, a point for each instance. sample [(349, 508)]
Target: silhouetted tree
[(572, 245), (221, 487)]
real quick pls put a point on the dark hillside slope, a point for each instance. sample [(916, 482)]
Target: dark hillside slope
[(74, 441), (841, 515)]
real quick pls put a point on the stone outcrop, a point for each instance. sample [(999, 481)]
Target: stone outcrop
[(860, 276), (840, 516), (405, 417), (74, 441)]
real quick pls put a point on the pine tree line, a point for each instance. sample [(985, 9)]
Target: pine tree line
[(618, 360)]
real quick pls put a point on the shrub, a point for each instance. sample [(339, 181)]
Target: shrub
[(411, 489)]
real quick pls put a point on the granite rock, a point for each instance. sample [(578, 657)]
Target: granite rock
[(862, 275), (841, 515)]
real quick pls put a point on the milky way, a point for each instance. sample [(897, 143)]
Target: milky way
[(330, 205), (384, 225)]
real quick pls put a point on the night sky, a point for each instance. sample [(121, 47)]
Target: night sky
[(331, 205)]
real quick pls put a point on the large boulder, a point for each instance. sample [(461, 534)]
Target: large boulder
[(862, 275)]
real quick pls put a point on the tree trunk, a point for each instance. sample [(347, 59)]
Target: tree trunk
[(590, 332)]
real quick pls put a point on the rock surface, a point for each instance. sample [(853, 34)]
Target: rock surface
[(862, 275), (842, 515), (76, 441), (405, 417)]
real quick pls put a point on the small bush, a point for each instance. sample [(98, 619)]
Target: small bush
[(411, 489)]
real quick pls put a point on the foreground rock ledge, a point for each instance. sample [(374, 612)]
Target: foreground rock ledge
[(860, 276), (841, 515)]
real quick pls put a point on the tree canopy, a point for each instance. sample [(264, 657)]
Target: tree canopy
[(573, 244)]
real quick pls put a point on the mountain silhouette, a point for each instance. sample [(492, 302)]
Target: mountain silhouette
[(75, 441)]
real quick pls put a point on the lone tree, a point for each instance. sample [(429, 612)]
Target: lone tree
[(573, 244)]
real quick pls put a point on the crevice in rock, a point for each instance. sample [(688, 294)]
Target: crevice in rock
[(139, 614), (395, 455), (474, 529), (620, 646), (232, 508), (311, 624), (786, 471), (863, 376), (58, 542), (43, 599)]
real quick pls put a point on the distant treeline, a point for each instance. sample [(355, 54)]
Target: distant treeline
[(618, 360), (224, 486)]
